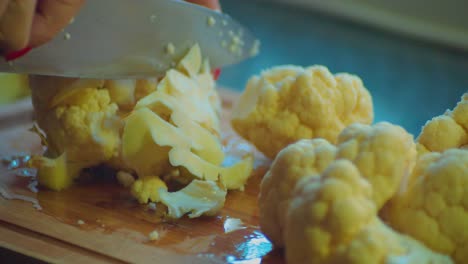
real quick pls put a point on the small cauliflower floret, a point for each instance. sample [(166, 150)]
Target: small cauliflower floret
[(290, 103), (197, 198), (148, 189), (446, 131), (333, 219), (432, 205), (383, 153), (306, 158)]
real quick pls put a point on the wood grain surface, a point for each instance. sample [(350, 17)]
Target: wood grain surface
[(116, 227)]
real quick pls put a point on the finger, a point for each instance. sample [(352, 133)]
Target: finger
[(3, 6), (213, 4), (15, 24), (51, 17)]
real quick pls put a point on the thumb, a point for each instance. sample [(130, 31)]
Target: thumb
[(51, 17)]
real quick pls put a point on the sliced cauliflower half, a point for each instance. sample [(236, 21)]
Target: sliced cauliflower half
[(383, 153), (432, 205), (289, 103), (446, 131), (333, 219)]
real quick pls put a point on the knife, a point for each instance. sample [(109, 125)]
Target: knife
[(119, 39)]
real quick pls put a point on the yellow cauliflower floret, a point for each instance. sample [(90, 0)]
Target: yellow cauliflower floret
[(333, 219), (433, 204), (289, 103), (306, 158), (383, 153), (446, 131), (148, 189)]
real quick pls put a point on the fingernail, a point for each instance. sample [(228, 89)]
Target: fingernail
[(13, 55), (216, 72)]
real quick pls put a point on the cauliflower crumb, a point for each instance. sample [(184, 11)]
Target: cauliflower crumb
[(290, 103), (233, 224), (80, 222), (154, 235), (152, 206), (211, 21), (170, 49)]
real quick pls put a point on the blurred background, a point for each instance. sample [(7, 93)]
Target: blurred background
[(411, 55)]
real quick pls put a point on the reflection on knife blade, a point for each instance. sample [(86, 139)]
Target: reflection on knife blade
[(137, 41)]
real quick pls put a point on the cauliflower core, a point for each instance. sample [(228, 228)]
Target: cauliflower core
[(289, 103), (154, 129), (383, 153)]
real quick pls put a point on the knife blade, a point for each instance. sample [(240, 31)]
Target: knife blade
[(119, 39)]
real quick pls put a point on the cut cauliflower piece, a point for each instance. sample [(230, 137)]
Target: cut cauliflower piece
[(289, 103), (432, 205), (145, 135), (56, 174), (205, 144), (122, 92), (333, 219), (233, 177), (148, 189), (384, 154), (196, 93), (446, 131), (197, 198)]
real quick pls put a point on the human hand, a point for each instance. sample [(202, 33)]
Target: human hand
[(213, 4), (25, 24)]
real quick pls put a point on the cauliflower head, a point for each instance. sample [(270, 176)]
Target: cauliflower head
[(289, 103), (383, 153), (432, 205), (446, 131), (333, 219), (155, 130)]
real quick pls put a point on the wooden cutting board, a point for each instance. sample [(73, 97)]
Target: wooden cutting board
[(99, 221)]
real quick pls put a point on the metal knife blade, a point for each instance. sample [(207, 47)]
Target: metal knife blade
[(118, 39)]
